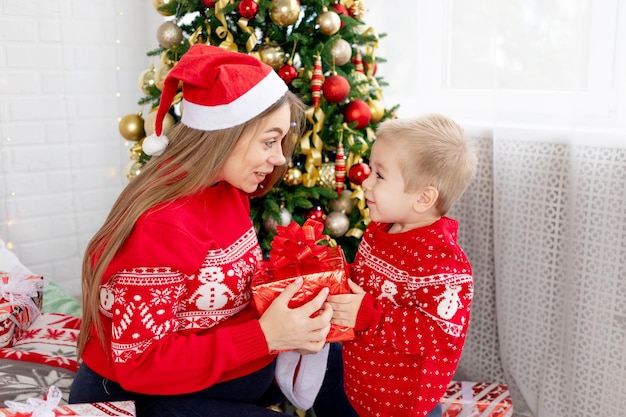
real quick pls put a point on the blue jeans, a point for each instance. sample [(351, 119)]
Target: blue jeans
[(436, 412), (247, 396)]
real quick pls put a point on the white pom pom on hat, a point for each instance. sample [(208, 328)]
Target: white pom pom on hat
[(221, 89), (154, 145)]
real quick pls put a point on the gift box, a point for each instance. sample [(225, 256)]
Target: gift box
[(21, 297), (302, 252), (49, 406), (49, 340), (476, 399)]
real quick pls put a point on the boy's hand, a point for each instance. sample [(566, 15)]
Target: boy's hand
[(346, 306)]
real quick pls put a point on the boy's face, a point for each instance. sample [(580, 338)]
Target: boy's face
[(384, 188)]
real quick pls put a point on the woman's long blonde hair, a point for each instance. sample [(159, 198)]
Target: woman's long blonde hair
[(190, 162)]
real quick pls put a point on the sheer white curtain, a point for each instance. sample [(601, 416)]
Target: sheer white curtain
[(539, 85), (544, 225)]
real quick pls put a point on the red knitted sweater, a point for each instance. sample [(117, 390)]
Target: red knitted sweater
[(175, 301), (412, 323)]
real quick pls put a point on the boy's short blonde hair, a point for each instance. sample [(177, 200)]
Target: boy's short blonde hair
[(433, 152)]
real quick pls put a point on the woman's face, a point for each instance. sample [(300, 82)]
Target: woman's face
[(257, 153)]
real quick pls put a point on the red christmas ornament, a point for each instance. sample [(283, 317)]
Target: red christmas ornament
[(371, 68), (316, 81), (248, 9), (340, 168), (341, 10), (357, 111), (358, 173), (336, 89), (288, 73), (316, 213), (208, 3)]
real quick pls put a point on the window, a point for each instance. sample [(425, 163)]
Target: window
[(541, 62)]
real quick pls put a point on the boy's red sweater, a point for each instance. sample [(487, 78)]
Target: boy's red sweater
[(412, 323)]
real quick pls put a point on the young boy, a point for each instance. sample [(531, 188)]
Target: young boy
[(412, 284)]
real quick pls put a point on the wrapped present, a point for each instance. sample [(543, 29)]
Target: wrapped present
[(49, 340), (476, 399), (49, 407), (21, 296), (301, 252)]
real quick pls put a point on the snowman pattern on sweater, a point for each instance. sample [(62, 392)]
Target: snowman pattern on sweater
[(212, 293), (145, 304), (449, 302)]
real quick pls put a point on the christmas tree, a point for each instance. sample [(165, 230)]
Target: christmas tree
[(325, 53)]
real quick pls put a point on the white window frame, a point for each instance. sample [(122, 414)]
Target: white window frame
[(601, 106)]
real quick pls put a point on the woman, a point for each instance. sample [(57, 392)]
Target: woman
[(168, 320)]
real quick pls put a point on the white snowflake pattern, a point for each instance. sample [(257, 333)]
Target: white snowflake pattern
[(244, 270), (161, 296), (119, 292)]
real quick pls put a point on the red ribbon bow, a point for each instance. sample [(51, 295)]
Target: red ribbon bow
[(293, 244)]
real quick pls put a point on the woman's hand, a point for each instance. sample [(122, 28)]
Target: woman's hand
[(293, 328)]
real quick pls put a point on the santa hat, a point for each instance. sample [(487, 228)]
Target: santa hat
[(221, 89)]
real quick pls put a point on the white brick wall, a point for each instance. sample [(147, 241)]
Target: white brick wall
[(68, 70)]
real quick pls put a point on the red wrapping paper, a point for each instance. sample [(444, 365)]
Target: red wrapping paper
[(476, 399), (296, 252)]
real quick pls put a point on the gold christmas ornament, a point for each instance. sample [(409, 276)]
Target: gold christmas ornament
[(146, 79), (329, 22), (285, 12), (344, 202), (133, 169), (168, 122), (272, 54), (293, 177), (377, 109), (337, 223), (362, 83), (159, 3), (131, 127), (160, 74), (326, 177), (341, 51), (270, 223), (169, 34)]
